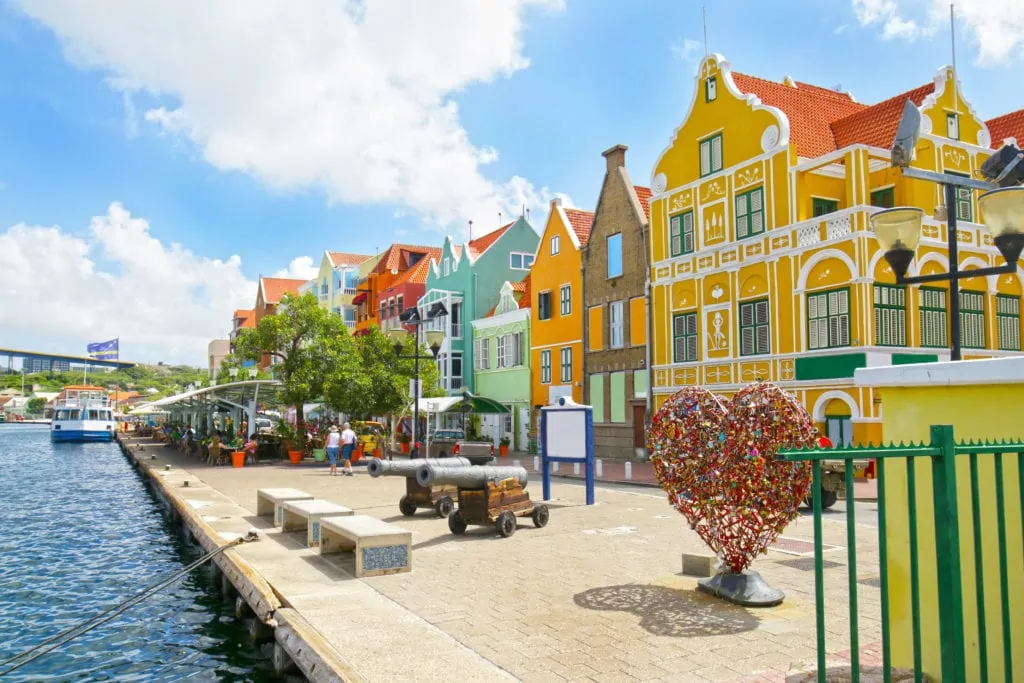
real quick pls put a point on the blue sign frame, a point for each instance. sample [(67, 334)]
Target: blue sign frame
[(565, 406)]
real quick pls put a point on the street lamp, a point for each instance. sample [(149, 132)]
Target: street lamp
[(898, 230), (233, 372), (400, 338), (252, 373)]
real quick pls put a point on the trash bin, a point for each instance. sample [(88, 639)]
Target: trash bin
[(320, 454)]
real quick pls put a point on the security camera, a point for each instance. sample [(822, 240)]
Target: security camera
[(1005, 168), (906, 136)]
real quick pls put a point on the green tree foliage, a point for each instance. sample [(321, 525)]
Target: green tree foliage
[(163, 380), (37, 405), (233, 361)]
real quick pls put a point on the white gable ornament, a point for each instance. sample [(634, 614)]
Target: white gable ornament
[(770, 138)]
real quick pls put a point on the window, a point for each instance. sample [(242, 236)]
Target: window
[(544, 306), (383, 309), (680, 229), (755, 328), (391, 307), (1008, 322), (952, 127), (399, 306), (615, 336), (750, 213), (828, 319), (615, 255), (519, 356), (617, 397), (890, 315), (565, 299), (932, 305), (711, 155), (447, 266), (820, 207), (972, 319), (684, 338), (456, 320), (503, 351), (964, 207), (545, 366), (711, 89), (350, 316), (884, 198), (350, 281), (520, 261), (554, 244), (596, 397), (482, 353), (566, 365), (510, 350), (456, 371)]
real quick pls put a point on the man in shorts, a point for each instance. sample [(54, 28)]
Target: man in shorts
[(348, 444)]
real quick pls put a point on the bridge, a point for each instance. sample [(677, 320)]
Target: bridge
[(54, 361)]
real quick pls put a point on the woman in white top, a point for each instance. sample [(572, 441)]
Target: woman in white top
[(333, 442)]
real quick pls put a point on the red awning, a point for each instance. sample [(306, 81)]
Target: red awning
[(359, 298)]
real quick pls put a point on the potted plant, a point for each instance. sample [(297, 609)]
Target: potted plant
[(405, 440), (289, 440), (503, 446)]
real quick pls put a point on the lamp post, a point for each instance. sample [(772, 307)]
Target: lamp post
[(233, 372), (400, 338), (898, 230)]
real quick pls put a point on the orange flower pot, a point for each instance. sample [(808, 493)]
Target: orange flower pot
[(238, 458), (376, 452), (405, 448), (295, 457), (357, 455), (503, 451)]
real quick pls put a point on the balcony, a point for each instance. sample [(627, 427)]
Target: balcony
[(456, 330)]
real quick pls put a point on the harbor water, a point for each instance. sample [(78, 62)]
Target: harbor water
[(79, 533)]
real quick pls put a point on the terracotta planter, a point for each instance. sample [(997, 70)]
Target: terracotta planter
[(238, 458), (376, 452), (503, 451), (357, 455), (295, 457), (405, 448)]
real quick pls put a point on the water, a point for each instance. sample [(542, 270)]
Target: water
[(79, 532)]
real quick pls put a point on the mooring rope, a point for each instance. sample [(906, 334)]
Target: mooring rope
[(66, 636)]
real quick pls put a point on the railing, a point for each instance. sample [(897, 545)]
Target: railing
[(942, 455)]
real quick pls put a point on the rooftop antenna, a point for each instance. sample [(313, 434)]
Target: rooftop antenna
[(704, 11), (499, 219), (527, 213), (952, 41), (470, 230)]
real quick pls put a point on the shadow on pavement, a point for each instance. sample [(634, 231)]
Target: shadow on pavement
[(667, 612)]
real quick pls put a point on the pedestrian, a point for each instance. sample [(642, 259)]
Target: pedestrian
[(348, 444), (250, 449), (333, 441)]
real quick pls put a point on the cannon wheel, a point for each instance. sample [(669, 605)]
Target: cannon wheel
[(444, 506), (828, 499), (407, 506), (540, 516), (457, 523), (506, 524)]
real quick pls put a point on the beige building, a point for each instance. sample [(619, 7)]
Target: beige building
[(216, 352)]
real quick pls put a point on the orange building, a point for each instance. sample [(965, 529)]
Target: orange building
[(395, 262), (268, 296), (556, 307), (404, 291)]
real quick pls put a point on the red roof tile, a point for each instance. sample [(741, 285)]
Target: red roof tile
[(522, 288), (580, 222), (417, 275), (876, 125), (644, 195), (341, 258), (243, 313), (1007, 126), (393, 258), (276, 287), (482, 244)]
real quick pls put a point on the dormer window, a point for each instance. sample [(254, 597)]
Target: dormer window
[(711, 89), (952, 126), (446, 268)]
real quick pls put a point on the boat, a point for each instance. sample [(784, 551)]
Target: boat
[(82, 413)]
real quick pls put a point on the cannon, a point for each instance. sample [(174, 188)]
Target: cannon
[(487, 495), (440, 498)]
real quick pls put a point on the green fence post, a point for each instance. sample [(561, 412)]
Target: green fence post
[(947, 554)]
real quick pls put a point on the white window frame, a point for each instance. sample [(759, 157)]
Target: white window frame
[(502, 354), (446, 267), (708, 152), (525, 260), (616, 336), (565, 300), (482, 353), (555, 245), (545, 366), (566, 364)]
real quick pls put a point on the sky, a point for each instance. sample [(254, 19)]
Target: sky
[(158, 156)]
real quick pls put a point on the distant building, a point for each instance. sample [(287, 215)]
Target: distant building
[(30, 365), (216, 352)]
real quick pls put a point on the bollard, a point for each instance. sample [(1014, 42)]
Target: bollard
[(575, 468), (536, 463), (600, 469), (629, 471)]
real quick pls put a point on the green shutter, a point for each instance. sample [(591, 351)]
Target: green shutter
[(828, 319), (755, 328), (933, 317), (749, 207), (972, 319), (597, 396), (890, 315), (617, 397), (684, 338), (820, 207), (1008, 322), (884, 198)]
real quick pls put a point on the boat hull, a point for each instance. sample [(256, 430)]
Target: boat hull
[(79, 431)]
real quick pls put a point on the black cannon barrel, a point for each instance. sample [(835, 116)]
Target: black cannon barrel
[(469, 477), (408, 468)]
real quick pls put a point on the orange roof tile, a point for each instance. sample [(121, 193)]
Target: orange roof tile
[(392, 259), (876, 125), (644, 195), (1007, 126), (276, 287), (522, 288), (482, 244), (341, 258), (417, 275), (243, 312), (581, 222)]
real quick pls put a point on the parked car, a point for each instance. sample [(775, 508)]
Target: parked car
[(441, 444)]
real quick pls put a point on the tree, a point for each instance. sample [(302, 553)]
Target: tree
[(233, 361), (310, 344), (37, 405)]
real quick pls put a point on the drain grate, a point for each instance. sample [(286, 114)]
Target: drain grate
[(806, 564), (798, 546)]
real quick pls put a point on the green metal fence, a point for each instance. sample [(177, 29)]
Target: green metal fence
[(944, 453)]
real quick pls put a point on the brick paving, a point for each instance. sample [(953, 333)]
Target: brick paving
[(597, 595)]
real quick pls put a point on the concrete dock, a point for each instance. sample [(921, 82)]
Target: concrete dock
[(596, 595)]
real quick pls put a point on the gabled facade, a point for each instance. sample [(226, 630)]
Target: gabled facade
[(390, 268), (556, 307), (763, 261), (268, 296), (614, 297), (467, 279), (403, 292), (501, 363), (336, 282)]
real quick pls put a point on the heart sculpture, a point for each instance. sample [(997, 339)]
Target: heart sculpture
[(715, 458)]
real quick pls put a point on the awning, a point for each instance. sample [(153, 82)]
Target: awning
[(234, 394), (359, 298), (467, 403)]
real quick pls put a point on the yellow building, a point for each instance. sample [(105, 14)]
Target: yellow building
[(764, 265)]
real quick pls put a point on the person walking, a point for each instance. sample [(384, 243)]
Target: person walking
[(333, 442), (348, 444)]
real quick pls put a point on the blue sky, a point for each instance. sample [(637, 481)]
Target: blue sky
[(74, 138)]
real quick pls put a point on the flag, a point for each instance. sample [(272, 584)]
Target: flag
[(103, 350)]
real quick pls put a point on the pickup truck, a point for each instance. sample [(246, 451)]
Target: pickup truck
[(452, 442)]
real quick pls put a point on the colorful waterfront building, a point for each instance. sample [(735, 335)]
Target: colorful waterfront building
[(268, 296), (501, 363), (391, 267), (556, 307), (763, 262), (404, 291), (468, 279), (615, 271), (336, 282)]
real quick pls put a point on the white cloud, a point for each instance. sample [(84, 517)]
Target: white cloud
[(61, 290), (995, 28), (350, 98), (300, 268), (687, 50)]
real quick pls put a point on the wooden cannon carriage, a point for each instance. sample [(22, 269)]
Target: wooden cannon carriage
[(440, 497)]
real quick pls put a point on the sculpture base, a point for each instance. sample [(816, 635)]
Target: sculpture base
[(747, 589)]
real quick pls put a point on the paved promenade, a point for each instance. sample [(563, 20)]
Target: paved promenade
[(597, 595)]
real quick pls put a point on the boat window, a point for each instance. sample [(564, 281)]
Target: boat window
[(73, 415)]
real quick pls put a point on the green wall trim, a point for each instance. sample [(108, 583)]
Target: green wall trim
[(832, 366), (910, 358)]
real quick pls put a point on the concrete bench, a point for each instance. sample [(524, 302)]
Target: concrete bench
[(306, 514), (380, 548), (270, 502)]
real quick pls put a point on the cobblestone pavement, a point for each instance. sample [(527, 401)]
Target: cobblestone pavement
[(598, 594)]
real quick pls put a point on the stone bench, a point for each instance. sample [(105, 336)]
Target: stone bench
[(270, 501), (305, 515), (380, 548)]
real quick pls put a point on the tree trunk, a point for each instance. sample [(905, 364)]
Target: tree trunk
[(300, 428)]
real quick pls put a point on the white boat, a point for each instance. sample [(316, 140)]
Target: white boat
[(82, 413)]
